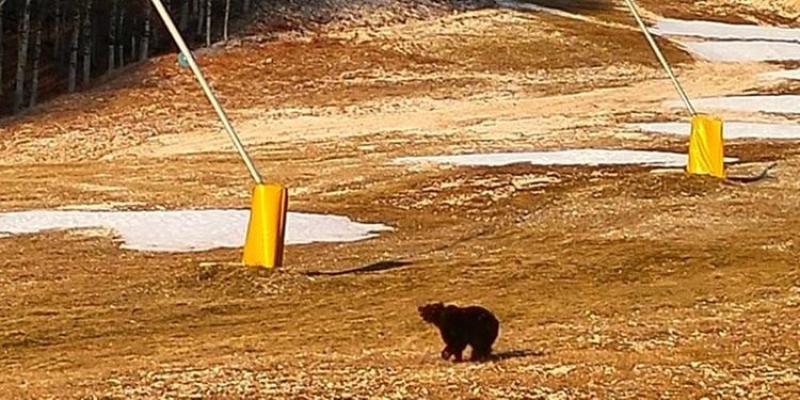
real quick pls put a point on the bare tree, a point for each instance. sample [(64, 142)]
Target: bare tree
[(119, 38), (112, 38), (73, 49), (133, 54), (58, 21), (73, 41), (183, 23), (227, 19), (199, 9), (2, 3), (37, 54), (145, 46), (208, 23), (87, 43), (22, 55)]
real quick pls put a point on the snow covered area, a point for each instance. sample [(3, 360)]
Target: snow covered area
[(186, 230), (792, 74), (731, 130), (745, 51), (733, 42), (721, 30), (592, 157), (784, 103)]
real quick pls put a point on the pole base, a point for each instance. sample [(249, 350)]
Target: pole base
[(265, 233), (706, 154)]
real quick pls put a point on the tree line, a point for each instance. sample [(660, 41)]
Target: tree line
[(48, 47)]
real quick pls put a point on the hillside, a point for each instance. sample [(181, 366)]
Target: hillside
[(549, 193)]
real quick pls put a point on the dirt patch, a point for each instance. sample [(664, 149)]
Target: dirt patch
[(781, 12)]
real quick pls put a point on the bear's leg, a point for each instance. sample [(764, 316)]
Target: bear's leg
[(481, 352), (457, 350)]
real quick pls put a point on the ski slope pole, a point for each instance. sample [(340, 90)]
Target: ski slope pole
[(632, 6), (206, 89)]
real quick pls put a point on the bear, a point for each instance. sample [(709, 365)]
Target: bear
[(461, 326)]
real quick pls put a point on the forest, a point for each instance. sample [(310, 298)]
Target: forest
[(50, 47)]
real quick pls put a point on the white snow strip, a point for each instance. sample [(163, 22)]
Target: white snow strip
[(720, 30), (784, 103), (187, 230), (734, 42), (592, 157), (731, 130), (792, 74), (744, 51)]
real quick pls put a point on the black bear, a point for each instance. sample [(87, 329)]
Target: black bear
[(461, 326)]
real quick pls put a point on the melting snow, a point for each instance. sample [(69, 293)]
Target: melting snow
[(745, 51), (720, 30), (793, 74), (592, 157), (734, 42), (186, 230), (785, 103), (731, 130)]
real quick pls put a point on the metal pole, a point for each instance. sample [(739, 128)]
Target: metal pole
[(206, 89), (660, 56)]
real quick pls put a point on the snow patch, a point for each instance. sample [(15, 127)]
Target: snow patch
[(721, 30), (592, 157), (792, 74), (783, 103), (731, 130), (745, 51), (734, 42), (186, 230)]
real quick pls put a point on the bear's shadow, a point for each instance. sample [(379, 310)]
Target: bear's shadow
[(510, 354)]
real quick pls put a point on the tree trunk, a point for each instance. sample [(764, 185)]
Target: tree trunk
[(133, 56), (60, 41), (57, 39), (37, 53), (227, 19), (1, 48), (200, 10), (73, 50), (208, 23), (22, 55), (119, 39), (155, 31), (112, 38), (145, 46), (184, 19), (87, 44)]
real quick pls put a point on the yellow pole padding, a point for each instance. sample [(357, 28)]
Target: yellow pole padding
[(266, 230), (706, 154)]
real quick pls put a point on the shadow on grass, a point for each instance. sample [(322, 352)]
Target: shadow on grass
[(374, 267), (507, 355)]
